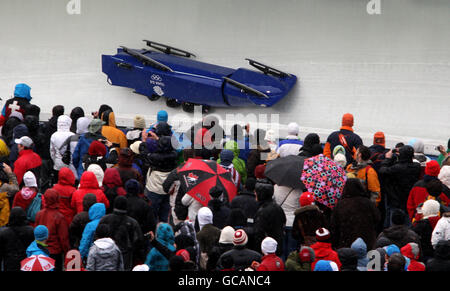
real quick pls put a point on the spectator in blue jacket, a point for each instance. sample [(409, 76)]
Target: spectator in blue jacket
[(155, 260), (39, 246), (96, 212)]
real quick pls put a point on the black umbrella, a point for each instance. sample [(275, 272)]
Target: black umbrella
[(286, 171)]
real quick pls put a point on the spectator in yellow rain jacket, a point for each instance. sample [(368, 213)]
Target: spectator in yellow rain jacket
[(111, 132)]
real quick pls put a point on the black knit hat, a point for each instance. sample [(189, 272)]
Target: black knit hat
[(102, 231), (120, 204), (133, 187), (215, 192), (250, 184), (264, 191), (398, 217)]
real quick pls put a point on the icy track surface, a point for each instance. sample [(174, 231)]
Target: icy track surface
[(392, 71)]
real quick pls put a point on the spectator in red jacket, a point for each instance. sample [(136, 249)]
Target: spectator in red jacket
[(25, 196), (429, 185), (54, 220), (412, 252), (270, 261), (28, 160), (322, 248), (112, 186), (88, 184), (65, 188)]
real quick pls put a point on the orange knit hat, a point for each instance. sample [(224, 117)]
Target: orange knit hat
[(378, 138), (347, 120)]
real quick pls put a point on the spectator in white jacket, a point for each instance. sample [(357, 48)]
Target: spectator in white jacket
[(441, 230), (192, 205), (59, 142), (288, 199), (292, 144), (444, 176)]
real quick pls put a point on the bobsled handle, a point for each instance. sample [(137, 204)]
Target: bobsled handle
[(124, 65), (146, 60), (170, 50), (267, 70), (245, 88)]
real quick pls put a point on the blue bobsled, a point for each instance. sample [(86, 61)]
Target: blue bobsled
[(170, 72)]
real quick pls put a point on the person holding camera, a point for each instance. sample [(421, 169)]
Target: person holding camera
[(398, 178), (443, 154), (82, 148), (8, 182)]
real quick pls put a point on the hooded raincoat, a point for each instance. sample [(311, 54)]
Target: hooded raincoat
[(58, 143), (96, 212)]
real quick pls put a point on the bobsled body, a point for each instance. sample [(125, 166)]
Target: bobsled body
[(152, 73)]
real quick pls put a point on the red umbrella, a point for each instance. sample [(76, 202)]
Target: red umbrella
[(37, 263), (199, 176)]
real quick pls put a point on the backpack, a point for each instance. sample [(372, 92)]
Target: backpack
[(67, 155), (34, 207), (371, 195)]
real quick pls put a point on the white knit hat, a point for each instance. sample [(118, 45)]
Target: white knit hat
[(444, 175), (98, 172), (430, 208), (340, 159), (226, 236), (29, 179), (293, 128), (135, 147), (269, 246), (204, 216)]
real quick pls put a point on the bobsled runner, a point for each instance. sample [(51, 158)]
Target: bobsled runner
[(170, 72)]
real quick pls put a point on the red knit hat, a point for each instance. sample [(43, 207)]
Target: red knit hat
[(306, 255), (97, 149), (259, 171), (432, 168), (184, 254), (240, 238), (307, 198), (322, 234), (347, 120)]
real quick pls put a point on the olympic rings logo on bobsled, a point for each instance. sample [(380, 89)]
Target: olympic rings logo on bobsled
[(156, 78)]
